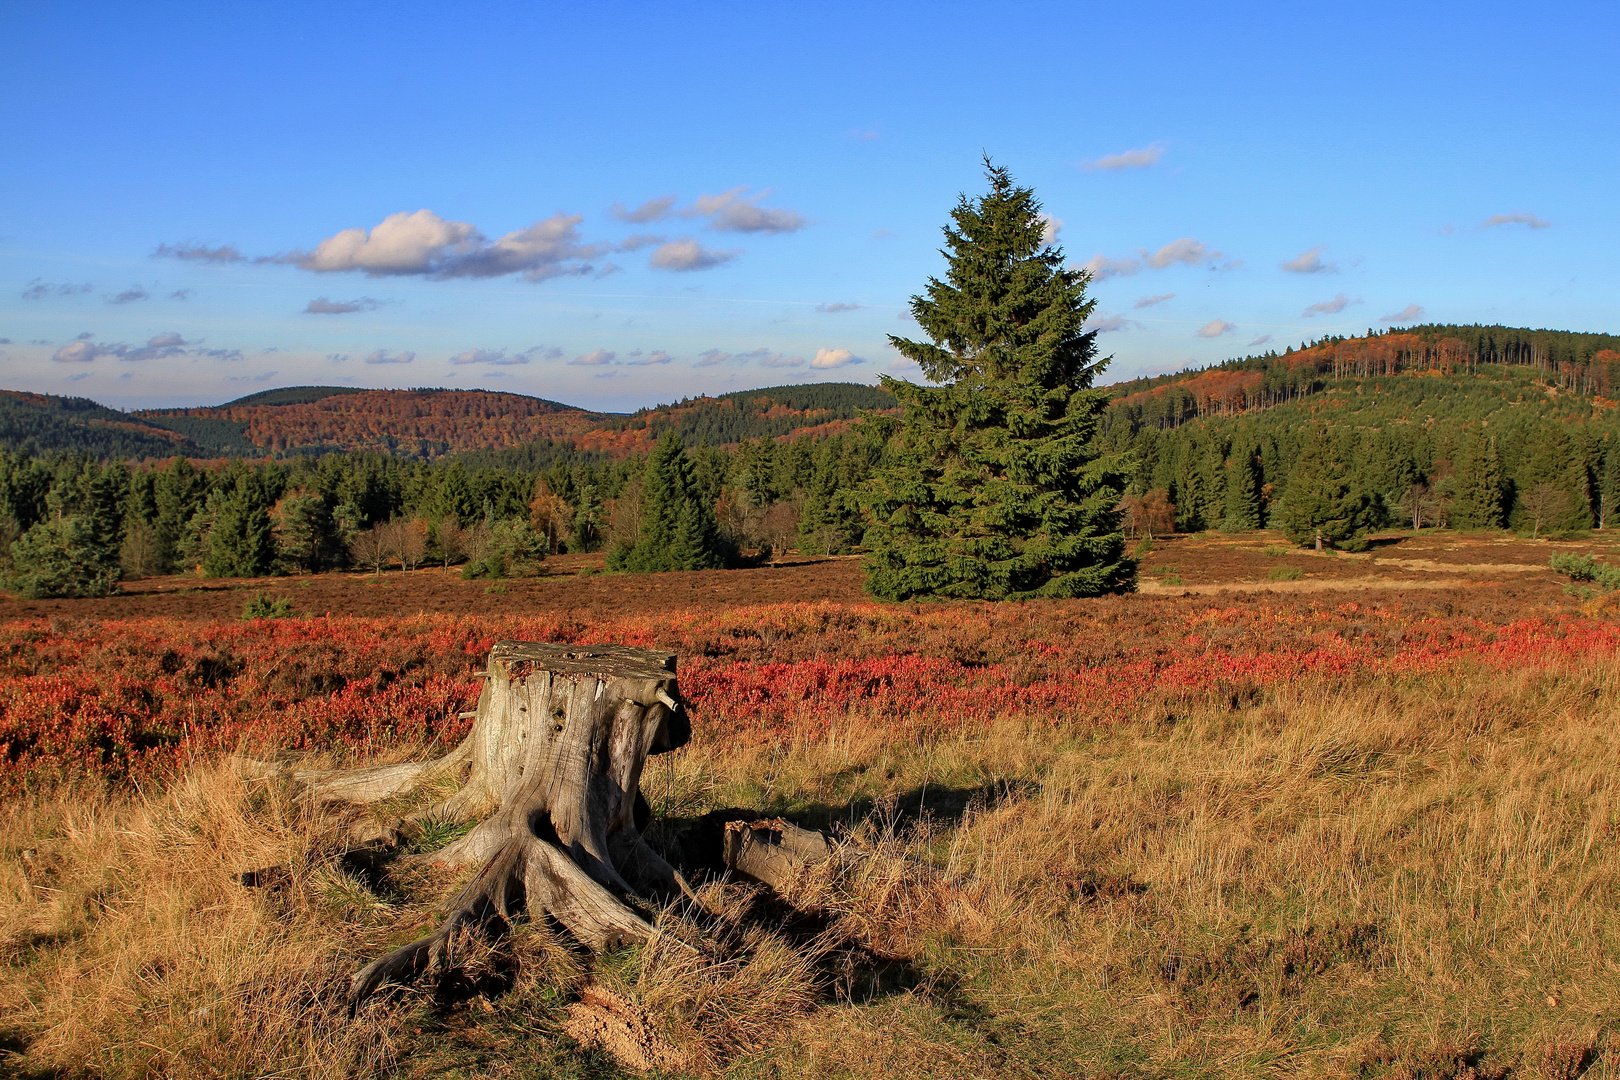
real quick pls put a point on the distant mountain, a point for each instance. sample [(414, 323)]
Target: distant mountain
[(422, 423)]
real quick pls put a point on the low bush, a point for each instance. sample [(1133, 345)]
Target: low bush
[(264, 607)]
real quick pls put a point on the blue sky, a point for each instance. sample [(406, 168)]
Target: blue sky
[(616, 205)]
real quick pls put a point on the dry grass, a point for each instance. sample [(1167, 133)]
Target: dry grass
[(1415, 876)]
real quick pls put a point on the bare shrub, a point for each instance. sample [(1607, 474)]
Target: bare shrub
[(373, 548), (452, 541), (410, 541)]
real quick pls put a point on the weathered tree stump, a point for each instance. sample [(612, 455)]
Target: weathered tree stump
[(554, 760)]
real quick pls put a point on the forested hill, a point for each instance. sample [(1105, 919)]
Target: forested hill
[(815, 408), (1585, 364), (1478, 426), (422, 424), (41, 423), (411, 423)]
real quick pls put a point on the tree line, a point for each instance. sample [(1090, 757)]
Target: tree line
[(1333, 478), (74, 525), (1586, 364)]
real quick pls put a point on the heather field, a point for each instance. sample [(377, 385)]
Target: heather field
[(1353, 818)]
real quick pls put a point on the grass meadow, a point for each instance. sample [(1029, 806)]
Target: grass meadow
[(1364, 830)]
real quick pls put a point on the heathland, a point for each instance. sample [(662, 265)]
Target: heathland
[(1357, 819)]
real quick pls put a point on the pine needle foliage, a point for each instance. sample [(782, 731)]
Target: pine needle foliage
[(992, 488), (678, 530)]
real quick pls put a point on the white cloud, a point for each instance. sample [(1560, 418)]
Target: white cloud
[(131, 295), (711, 357), (83, 352), (830, 308), (495, 357), (734, 211), (777, 360), (1263, 339), (594, 358), (39, 290), (425, 244), (651, 210), (1327, 307), (1128, 159), (322, 306), (1409, 313), (657, 356), (382, 356), (1215, 328), (1107, 324), (835, 358), (1101, 268), (639, 241), (1310, 261), (1050, 227), (688, 254), (1186, 250), (1149, 301), (1519, 217), (402, 244), (161, 346), (546, 249), (191, 251)]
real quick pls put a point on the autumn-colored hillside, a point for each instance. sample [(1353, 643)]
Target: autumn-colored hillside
[(1560, 361), (425, 422)]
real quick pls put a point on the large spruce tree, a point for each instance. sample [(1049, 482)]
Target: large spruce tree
[(992, 487)]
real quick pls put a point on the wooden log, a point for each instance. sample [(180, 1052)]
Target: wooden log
[(773, 851), (555, 758)]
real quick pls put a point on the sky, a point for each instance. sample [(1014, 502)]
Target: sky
[(617, 205)]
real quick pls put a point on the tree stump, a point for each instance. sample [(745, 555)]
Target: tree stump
[(554, 760)]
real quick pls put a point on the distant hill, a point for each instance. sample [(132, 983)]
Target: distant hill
[(1438, 366), (413, 423), (43, 423), (752, 414), (293, 395), (422, 423)]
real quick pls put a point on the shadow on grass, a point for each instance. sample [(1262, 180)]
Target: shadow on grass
[(14, 1059)]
